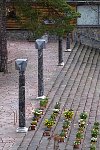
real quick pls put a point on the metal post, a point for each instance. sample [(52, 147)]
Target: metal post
[(68, 43), (60, 52), (40, 44), (20, 65)]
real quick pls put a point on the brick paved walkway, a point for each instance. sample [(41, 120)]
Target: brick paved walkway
[(76, 87), (9, 139)]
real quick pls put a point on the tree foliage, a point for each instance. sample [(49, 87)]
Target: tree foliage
[(36, 13), (3, 40)]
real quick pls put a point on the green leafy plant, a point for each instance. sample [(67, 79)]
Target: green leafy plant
[(92, 147), (83, 115), (49, 122), (53, 117), (79, 135), (82, 123), (94, 133), (37, 112), (77, 143), (81, 129), (93, 139), (57, 106), (96, 123), (34, 122), (43, 102), (66, 124), (68, 114), (55, 111), (62, 134), (96, 126)]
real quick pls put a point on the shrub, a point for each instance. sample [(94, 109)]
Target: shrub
[(83, 115)]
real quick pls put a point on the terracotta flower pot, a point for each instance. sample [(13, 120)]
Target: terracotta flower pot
[(79, 139), (61, 139), (81, 130), (33, 127), (57, 138), (77, 146), (46, 133), (42, 107)]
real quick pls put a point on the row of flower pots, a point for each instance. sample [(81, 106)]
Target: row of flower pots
[(94, 135), (68, 115), (81, 128), (51, 120), (38, 112)]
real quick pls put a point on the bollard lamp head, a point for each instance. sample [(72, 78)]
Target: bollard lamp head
[(21, 64), (40, 44)]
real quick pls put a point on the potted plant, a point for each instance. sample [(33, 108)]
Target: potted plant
[(96, 126), (66, 124), (49, 123), (82, 123), (43, 103), (76, 144), (68, 114), (81, 129), (56, 109), (57, 106), (56, 137), (55, 112), (34, 122), (93, 140), (62, 136), (83, 115), (53, 117), (96, 123), (94, 133), (79, 136), (92, 147), (37, 114), (33, 125)]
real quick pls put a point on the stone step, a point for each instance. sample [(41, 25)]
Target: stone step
[(60, 91), (38, 137), (66, 92), (75, 87), (83, 98)]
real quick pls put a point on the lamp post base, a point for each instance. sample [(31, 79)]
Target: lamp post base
[(22, 130), (61, 64), (41, 97), (68, 50)]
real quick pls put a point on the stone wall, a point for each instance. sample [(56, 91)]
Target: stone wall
[(88, 25), (26, 35), (88, 36), (18, 34)]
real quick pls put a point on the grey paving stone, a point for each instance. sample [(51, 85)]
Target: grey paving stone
[(76, 86)]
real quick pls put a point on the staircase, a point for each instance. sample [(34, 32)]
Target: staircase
[(76, 87)]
